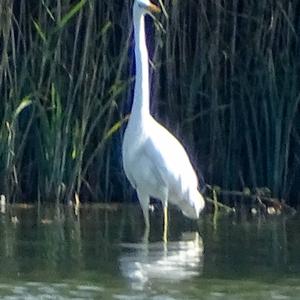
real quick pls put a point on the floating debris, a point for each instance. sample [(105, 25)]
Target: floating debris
[(2, 204), (14, 220), (46, 221)]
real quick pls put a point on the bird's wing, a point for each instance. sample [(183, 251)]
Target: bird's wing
[(157, 160), (168, 157), (131, 180), (158, 167)]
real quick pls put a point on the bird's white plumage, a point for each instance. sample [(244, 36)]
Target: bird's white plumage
[(154, 161)]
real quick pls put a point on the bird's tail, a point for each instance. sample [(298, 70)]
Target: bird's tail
[(194, 204)]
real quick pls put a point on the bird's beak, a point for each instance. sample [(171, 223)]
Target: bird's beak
[(153, 8)]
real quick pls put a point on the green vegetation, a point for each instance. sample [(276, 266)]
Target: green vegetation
[(225, 80)]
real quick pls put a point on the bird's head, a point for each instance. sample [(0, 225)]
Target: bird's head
[(146, 7)]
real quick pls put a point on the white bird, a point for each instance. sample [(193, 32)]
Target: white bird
[(155, 162)]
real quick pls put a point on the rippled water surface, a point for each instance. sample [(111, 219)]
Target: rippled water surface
[(48, 253)]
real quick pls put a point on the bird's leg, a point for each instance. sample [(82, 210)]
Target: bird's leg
[(165, 223), (146, 235), (165, 207), (144, 201)]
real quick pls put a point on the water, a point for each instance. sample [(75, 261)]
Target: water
[(48, 253)]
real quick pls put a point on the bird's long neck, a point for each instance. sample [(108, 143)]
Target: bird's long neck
[(140, 106)]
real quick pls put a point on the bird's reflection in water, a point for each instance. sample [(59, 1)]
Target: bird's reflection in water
[(174, 261)]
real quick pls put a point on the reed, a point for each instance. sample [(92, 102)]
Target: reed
[(233, 71), (225, 80)]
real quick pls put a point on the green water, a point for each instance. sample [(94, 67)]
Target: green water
[(48, 253)]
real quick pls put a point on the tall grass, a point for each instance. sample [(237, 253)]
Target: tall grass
[(225, 80), (233, 69), (60, 85)]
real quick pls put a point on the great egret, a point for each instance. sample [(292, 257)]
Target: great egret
[(155, 162)]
